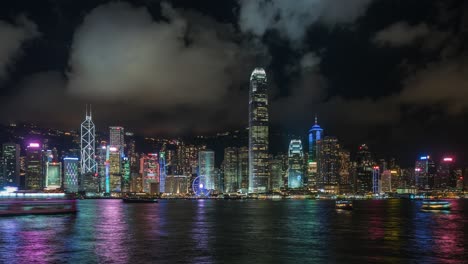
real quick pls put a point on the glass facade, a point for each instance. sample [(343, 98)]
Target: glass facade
[(11, 165), (53, 175), (231, 170), (258, 132), (206, 164), (295, 164), (71, 173), (34, 176)]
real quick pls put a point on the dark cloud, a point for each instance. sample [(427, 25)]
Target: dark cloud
[(401, 34), (12, 37), (292, 18)]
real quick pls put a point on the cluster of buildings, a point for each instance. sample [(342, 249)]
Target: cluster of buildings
[(111, 165)]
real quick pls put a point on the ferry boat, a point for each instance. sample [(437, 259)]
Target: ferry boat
[(436, 205), (344, 205), (37, 207), (139, 200)]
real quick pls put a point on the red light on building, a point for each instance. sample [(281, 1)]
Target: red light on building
[(448, 159), (376, 167)]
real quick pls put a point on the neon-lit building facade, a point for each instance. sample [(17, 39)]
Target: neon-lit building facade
[(71, 173), (53, 178), (149, 169), (162, 171), (34, 164), (11, 165), (114, 170), (206, 162), (258, 132), (296, 164)]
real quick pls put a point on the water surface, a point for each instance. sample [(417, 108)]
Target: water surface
[(252, 231)]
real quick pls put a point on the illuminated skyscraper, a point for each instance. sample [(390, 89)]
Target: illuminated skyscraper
[(315, 135), (231, 170), (53, 179), (364, 170), (258, 132), (149, 169), (11, 165), (114, 170), (88, 148), (34, 176), (445, 174), (206, 164), (329, 163), (162, 171), (71, 173), (296, 164), (116, 137), (243, 170), (425, 171)]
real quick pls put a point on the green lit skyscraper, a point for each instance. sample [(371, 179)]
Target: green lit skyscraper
[(258, 132)]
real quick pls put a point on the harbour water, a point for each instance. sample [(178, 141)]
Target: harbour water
[(239, 231)]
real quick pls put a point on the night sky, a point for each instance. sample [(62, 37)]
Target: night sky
[(390, 73)]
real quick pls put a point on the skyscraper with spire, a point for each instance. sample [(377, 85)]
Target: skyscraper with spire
[(258, 132), (88, 149), (315, 135)]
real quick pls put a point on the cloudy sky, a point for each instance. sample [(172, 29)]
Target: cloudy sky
[(390, 73)]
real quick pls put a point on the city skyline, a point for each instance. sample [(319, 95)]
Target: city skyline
[(375, 89)]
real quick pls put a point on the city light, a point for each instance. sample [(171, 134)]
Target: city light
[(424, 157), (448, 159), (34, 145)]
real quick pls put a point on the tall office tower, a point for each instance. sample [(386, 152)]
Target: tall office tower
[(11, 165), (116, 137), (218, 179), (329, 164), (113, 170), (386, 181), (345, 167), (189, 159), (258, 132), (243, 176), (125, 175), (295, 164), (162, 171), (445, 177), (206, 164), (364, 170), (34, 176), (376, 180), (231, 170), (149, 169), (277, 172), (71, 173), (88, 150), (425, 171), (315, 135), (101, 165), (53, 179), (345, 172)]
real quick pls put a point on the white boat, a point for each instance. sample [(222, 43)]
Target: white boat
[(344, 205), (436, 205)]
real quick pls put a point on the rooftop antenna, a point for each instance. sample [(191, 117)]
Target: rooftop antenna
[(316, 119)]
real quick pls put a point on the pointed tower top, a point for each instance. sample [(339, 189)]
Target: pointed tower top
[(90, 111), (316, 119)]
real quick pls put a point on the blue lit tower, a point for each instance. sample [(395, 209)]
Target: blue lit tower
[(162, 171), (315, 135), (258, 132)]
